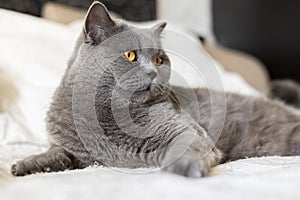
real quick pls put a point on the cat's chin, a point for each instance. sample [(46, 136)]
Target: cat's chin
[(153, 88), (145, 94), (148, 90), (151, 93)]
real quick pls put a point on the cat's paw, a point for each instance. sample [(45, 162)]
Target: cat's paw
[(52, 161), (189, 166), (27, 166)]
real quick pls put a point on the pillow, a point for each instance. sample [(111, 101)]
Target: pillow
[(190, 14)]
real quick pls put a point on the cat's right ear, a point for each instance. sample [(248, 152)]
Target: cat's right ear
[(98, 24)]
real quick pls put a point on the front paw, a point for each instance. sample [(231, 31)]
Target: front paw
[(189, 166), (54, 160), (25, 167)]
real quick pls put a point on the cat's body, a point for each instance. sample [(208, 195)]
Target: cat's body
[(141, 121), (253, 126)]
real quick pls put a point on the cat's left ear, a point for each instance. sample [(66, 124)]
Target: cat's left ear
[(98, 24), (158, 28)]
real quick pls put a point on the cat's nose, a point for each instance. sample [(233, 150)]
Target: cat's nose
[(152, 74)]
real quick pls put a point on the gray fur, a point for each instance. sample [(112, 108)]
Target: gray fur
[(164, 132), (287, 91)]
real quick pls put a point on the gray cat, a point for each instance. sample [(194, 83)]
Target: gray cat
[(115, 106)]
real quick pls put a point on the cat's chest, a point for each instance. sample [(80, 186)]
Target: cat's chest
[(138, 120)]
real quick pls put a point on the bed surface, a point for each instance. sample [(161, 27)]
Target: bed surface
[(35, 52)]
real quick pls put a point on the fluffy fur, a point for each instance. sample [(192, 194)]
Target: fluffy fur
[(125, 114)]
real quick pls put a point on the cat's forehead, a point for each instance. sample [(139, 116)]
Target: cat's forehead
[(144, 38)]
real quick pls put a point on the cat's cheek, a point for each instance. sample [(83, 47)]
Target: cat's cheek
[(164, 73)]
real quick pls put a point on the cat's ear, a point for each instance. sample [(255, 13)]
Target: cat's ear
[(158, 28), (98, 24)]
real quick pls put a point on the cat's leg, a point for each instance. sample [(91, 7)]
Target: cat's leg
[(195, 161), (55, 159)]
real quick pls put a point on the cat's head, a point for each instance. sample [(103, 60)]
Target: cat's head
[(140, 62)]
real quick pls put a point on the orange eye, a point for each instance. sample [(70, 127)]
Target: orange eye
[(158, 61), (130, 56)]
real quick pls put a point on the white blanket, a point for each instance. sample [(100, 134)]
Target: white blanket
[(35, 52)]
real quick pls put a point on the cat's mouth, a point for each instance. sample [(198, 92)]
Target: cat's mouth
[(155, 89), (148, 85), (151, 87)]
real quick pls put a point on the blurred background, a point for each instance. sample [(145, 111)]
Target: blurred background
[(260, 35), (137, 10)]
